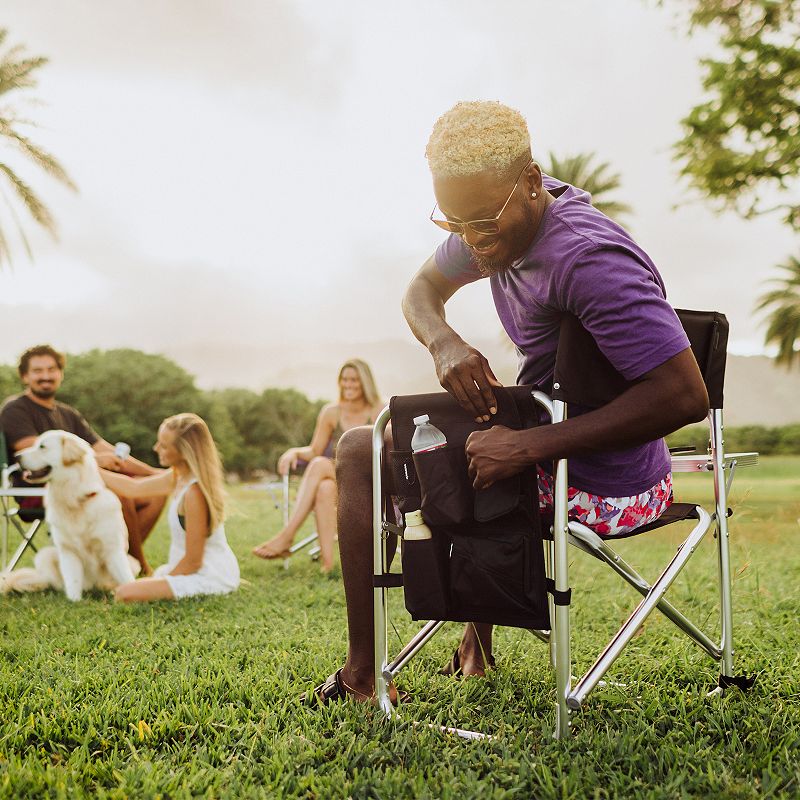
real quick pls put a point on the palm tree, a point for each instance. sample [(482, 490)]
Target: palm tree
[(17, 73), (597, 180), (783, 313)]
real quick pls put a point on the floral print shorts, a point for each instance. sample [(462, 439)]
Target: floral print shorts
[(610, 515)]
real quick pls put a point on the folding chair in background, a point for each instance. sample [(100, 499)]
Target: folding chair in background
[(583, 377), (25, 520), (279, 491)]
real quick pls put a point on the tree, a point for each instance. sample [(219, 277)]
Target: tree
[(125, 394), (266, 424), (9, 382), (598, 180), (17, 74), (741, 146), (783, 307)]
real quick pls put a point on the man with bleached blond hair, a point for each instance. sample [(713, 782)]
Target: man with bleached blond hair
[(546, 252)]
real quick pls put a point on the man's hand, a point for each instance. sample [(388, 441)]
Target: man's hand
[(495, 454), (107, 460), (466, 374)]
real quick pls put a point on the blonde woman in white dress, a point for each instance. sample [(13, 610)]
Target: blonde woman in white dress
[(200, 559)]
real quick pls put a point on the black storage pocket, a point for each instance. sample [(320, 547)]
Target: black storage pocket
[(425, 577), (499, 579), (447, 495), (498, 499)]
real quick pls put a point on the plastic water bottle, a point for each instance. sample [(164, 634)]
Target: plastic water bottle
[(416, 529), (122, 450), (426, 436)]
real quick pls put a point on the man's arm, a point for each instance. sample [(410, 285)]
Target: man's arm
[(106, 458), (663, 400), (461, 369)]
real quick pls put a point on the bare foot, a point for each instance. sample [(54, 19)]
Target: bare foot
[(274, 548), (467, 663), (364, 692)]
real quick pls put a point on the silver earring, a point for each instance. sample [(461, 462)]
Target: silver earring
[(533, 194)]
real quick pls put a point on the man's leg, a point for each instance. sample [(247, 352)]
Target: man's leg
[(140, 518), (475, 650), (354, 479)]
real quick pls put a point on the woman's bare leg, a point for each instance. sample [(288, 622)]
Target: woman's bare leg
[(143, 591), (325, 514), (320, 469)]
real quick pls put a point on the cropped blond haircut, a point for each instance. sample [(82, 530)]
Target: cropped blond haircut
[(478, 136), (194, 442), (367, 381)]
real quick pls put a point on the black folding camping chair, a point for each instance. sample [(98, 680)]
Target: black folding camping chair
[(542, 598)]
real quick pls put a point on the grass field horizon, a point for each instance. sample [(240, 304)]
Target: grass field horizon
[(200, 698)]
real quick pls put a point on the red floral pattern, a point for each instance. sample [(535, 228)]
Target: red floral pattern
[(610, 515)]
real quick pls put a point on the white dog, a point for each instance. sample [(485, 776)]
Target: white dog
[(85, 521)]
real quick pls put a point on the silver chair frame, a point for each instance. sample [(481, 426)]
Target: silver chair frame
[(569, 698), (285, 506), (10, 514)]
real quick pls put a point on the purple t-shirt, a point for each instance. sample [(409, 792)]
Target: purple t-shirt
[(583, 263)]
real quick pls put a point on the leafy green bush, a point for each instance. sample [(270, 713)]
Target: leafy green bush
[(743, 438)]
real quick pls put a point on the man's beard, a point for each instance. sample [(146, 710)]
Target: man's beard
[(43, 393), (517, 245)]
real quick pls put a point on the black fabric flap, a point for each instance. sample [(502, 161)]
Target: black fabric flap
[(515, 409)]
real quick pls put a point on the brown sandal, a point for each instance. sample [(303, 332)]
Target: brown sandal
[(334, 689)]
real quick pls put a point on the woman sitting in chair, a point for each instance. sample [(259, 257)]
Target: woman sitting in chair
[(359, 404), (200, 559)]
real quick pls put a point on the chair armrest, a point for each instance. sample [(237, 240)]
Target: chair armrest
[(704, 463)]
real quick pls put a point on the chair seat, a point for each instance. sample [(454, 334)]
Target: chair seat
[(677, 512), (31, 514)]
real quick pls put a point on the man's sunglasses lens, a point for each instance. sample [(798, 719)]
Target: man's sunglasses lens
[(452, 227), (481, 226), (484, 226)]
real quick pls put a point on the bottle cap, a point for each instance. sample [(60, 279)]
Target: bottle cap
[(421, 419), (414, 518)]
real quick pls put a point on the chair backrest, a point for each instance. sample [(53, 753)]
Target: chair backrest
[(583, 375)]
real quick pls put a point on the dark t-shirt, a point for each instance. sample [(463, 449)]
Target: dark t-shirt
[(21, 417)]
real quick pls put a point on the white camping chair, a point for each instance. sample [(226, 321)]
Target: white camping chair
[(582, 376), (26, 521)]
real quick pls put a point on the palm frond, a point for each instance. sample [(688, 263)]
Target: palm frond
[(17, 71), (40, 157), (35, 207), (597, 179), (782, 307)]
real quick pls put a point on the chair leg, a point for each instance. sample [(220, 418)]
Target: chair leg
[(723, 550), (588, 541), (380, 566), (560, 621), (640, 614), (416, 644), (27, 541)]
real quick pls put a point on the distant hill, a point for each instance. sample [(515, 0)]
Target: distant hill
[(757, 392)]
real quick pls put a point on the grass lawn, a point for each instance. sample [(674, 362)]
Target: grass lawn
[(199, 698)]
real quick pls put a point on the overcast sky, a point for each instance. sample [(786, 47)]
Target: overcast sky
[(254, 171)]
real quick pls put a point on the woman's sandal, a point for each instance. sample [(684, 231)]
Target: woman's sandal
[(453, 667), (335, 689)]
